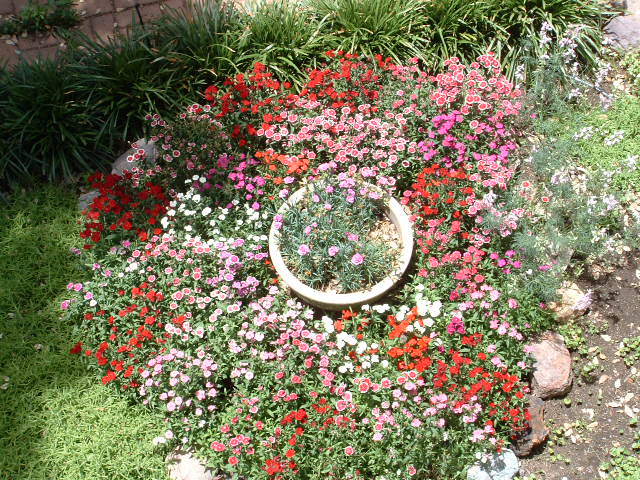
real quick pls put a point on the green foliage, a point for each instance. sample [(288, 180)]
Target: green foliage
[(624, 464), (329, 240), (631, 62), (202, 40), (49, 131), (573, 335), (284, 35), (585, 174), (387, 27), (630, 350), (35, 17), (614, 143), (124, 78), (56, 421)]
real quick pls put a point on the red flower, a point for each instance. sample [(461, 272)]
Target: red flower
[(76, 349)]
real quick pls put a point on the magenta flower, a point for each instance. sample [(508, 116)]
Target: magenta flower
[(303, 249), (357, 259), (333, 250)]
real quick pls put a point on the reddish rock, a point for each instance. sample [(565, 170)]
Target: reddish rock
[(552, 376), (537, 432)]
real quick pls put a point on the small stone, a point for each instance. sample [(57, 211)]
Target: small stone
[(502, 466), (552, 376), (182, 465), (572, 303), (86, 199), (537, 432)]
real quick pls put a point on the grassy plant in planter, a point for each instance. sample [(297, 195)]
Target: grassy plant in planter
[(333, 238)]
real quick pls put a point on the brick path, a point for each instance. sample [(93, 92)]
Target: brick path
[(100, 19)]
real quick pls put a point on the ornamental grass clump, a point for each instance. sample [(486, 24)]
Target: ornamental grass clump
[(337, 238)]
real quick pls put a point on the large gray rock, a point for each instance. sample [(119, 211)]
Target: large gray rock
[(500, 466), (552, 375), (624, 31), (633, 7)]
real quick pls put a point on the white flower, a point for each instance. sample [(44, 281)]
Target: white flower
[(434, 308), (362, 346), (423, 307), (344, 337), (381, 308), (206, 211), (327, 324)]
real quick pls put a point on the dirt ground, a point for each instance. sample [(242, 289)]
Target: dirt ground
[(598, 414)]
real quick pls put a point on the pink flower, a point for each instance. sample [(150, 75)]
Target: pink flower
[(349, 450), (357, 259), (352, 236), (333, 250), (303, 249), (65, 305)]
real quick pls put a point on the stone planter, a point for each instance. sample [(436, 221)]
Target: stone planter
[(340, 301)]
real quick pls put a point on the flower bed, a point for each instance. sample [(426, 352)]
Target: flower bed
[(187, 316)]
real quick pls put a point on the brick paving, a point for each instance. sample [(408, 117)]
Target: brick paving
[(101, 19)]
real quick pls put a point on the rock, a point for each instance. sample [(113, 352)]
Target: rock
[(537, 432), (572, 304), (552, 376), (182, 465), (140, 149), (624, 31), (633, 7), (500, 466), (86, 198)]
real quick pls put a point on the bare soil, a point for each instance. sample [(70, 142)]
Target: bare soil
[(596, 415)]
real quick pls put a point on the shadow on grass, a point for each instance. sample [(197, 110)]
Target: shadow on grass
[(57, 421)]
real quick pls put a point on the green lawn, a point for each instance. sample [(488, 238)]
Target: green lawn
[(56, 421)]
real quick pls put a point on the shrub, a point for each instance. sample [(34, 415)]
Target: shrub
[(124, 78), (284, 34), (49, 130), (203, 41)]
